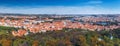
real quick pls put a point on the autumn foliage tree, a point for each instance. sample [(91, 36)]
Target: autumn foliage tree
[(35, 43), (6, 42)]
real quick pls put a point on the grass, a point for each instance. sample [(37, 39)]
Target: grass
[(6, 30)]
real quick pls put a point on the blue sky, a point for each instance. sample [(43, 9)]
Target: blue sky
[(60, 6)]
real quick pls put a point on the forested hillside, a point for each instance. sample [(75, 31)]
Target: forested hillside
[(65, 37)]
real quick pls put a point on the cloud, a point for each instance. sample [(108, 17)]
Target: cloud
[(60, 10)]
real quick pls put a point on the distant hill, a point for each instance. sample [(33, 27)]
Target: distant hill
[(17, 14)]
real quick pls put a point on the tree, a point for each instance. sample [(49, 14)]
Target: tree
[(19, 42), (51, 43), (102, 43), (82, 41), (6, 42), (35, 43), (94, 41)]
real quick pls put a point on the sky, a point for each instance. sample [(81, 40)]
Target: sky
[(60, 6)]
